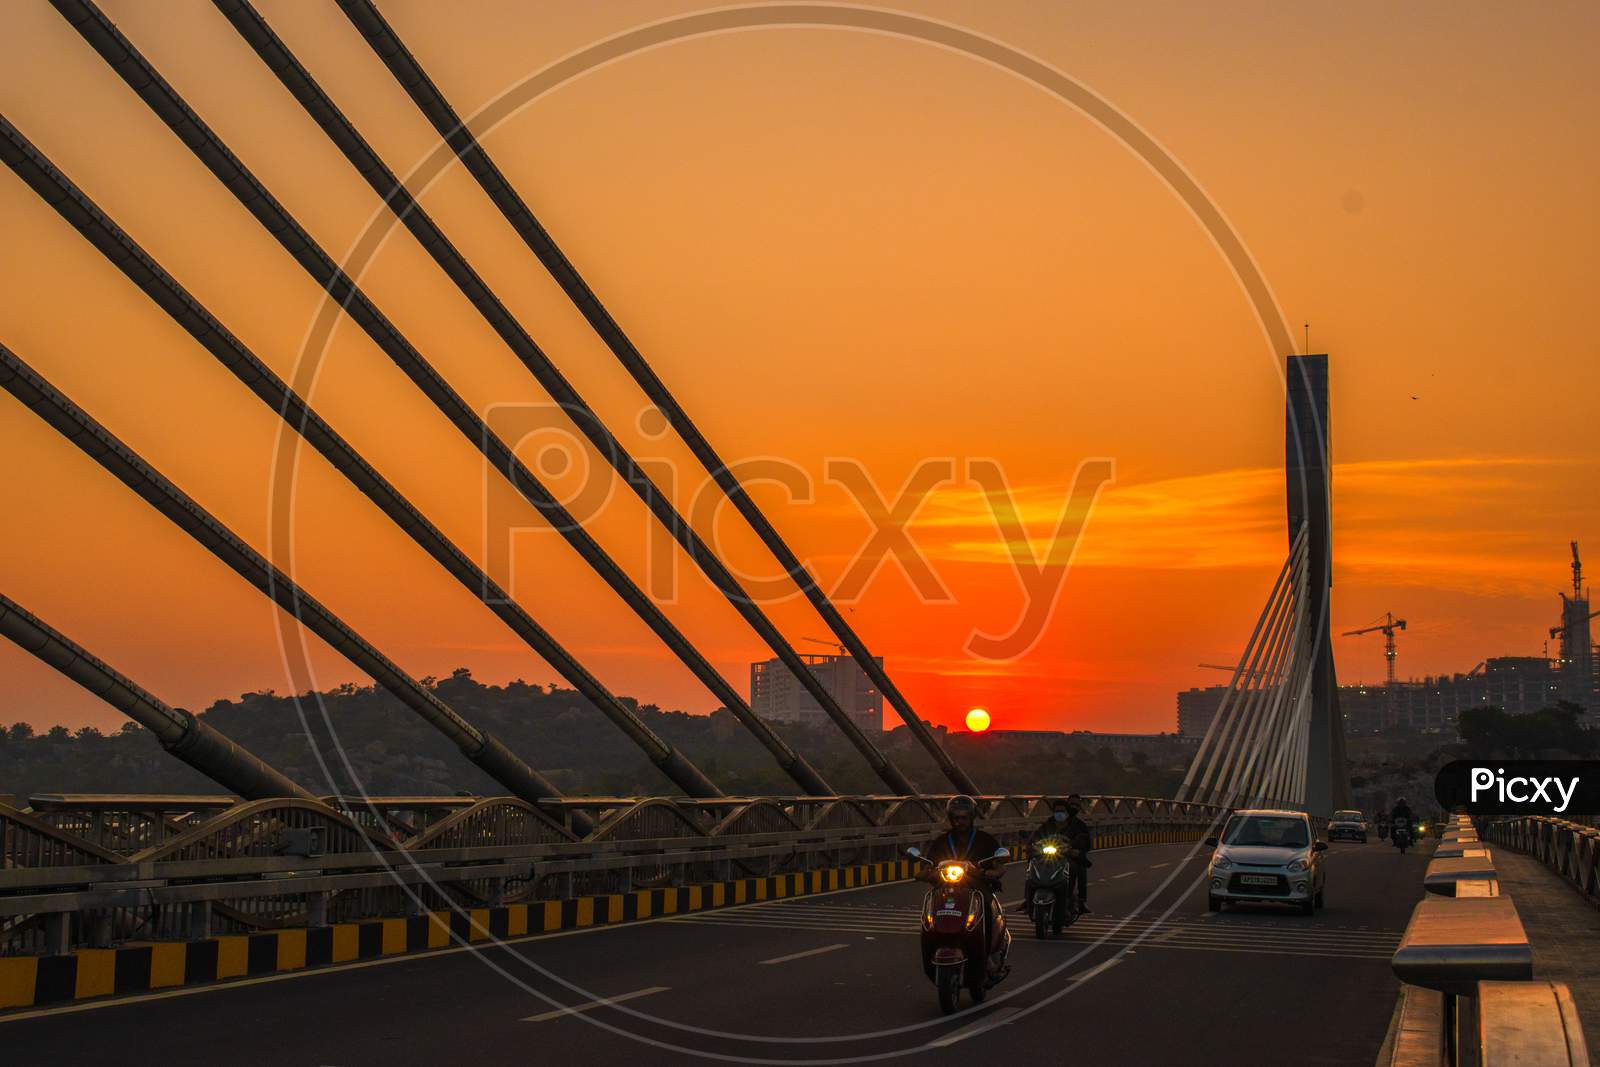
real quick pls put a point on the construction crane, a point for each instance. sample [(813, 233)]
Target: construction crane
[(1577, 593), (1557, 631), (1387, 627), (1230, 670), (830, 644), (1473, 673)]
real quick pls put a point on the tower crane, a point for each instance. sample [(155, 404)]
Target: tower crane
[(1557, 631), (1387, 627), (831, 644), (1243, 672)]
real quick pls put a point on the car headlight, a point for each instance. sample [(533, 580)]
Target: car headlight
[(952, 872), (1220, 863), (1296, 865)]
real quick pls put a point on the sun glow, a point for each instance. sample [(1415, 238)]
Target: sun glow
[(977, 720)]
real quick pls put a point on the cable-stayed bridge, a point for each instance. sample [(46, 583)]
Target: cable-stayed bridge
[(444, 928)]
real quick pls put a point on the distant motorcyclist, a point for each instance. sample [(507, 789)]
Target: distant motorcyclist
[(1401, 815), (1066, 826), (1054, 828), (1081, 840)]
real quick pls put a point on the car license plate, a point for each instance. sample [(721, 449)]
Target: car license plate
[(1257, 879)]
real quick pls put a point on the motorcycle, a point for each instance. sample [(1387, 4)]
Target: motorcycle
[(1055, 903), (1400, 836), (965, 942)]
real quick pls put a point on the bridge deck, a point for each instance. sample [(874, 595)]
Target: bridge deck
[(1150, 977)]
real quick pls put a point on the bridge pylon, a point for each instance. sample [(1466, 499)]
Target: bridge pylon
[(1277, 738)]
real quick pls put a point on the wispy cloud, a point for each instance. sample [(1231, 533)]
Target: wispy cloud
[(1459, 520)]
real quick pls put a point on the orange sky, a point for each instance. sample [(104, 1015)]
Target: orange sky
[(840, 245)]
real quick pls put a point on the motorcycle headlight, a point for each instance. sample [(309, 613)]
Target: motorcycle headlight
[(1048, 850), (952, 872), (1220, 863)]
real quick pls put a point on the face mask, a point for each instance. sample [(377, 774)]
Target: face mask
[(1060, 816)]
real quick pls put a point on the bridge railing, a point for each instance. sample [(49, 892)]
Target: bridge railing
[(97, 870), (1571, 849), (1468, 994)]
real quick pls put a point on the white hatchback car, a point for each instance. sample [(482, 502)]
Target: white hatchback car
[(1267, 856)]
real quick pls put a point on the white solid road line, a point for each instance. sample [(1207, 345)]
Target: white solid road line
[(1124, 874), (1098, 968), (988, 1022), (803, 955), (603, 1002)]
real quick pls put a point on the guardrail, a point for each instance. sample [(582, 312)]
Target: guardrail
[(96, 870), (1468, 995), (1570, 849)]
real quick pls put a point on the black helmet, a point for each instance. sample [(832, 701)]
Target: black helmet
[(961, 805)]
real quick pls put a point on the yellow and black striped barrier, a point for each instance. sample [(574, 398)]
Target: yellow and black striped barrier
[(31, 981)]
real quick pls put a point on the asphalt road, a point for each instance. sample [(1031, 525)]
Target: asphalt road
[(1150, 977)]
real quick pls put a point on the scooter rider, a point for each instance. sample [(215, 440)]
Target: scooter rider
[(965, 841), (1054, 828), (1080, 841)]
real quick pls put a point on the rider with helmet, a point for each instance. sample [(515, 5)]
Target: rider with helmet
[(964, 841), (1066, 826)]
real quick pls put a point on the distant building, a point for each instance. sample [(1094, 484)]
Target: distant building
[(1196, 709), (777, 695), (1516, 684)]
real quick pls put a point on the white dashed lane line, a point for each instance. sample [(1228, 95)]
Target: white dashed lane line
[(803, 955)]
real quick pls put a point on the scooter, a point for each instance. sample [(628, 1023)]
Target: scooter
[(1400, 835), (1054, 906), (965, 942)]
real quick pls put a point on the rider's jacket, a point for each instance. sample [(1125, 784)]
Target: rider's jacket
[(974, 844)]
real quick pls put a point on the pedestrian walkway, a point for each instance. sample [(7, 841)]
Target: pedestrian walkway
[(1563, 929)]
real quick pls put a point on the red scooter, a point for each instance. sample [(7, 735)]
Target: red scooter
[(965, 942)]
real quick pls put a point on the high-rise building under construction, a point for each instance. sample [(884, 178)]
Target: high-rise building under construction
[(1576, 660), (776, 696)]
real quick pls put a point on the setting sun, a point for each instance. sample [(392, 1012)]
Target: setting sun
[(977, 720)]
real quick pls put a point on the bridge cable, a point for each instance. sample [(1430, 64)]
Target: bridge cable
[(100, 445), (1220, 723), (1251, 732), (400, 201), (121, 55), (181, 733)]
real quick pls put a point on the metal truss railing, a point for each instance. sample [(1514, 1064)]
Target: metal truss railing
[(95, 870), (1571, 849)]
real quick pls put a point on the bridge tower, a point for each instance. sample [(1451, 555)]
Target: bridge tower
[(1277, 738), (1308, 469)]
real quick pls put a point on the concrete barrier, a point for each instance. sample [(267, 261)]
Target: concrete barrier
[(1468, 997)]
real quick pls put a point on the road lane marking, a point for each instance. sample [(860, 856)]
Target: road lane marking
[(1158, 866), (603, 1002), (1125, 874), (803, 955), (101, 1003), (1099, 968), (989, 1022)]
